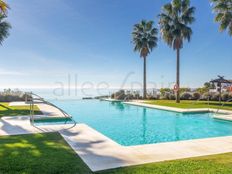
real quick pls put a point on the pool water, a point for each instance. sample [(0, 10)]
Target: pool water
[(132, 125), (55, 121)]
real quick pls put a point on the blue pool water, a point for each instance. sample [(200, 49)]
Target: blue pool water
[(131, 125)]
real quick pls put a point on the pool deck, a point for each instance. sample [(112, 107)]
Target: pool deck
[(222, 114), (100, 152)]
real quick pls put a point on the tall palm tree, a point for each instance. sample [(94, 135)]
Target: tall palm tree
[(223, 10), (174, 27), (3, 7), (4, 28), (144, 40)]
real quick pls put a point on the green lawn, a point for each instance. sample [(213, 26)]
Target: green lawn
[(38, 154), (190, 104), (6, 110), (221, 164), (49, 153)]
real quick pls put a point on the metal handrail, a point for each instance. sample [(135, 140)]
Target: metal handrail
[(66, 115), (200, 99), (126, 98), (223, 105)]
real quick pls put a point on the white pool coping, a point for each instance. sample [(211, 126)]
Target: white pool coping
[(220, 114), (101, 153)]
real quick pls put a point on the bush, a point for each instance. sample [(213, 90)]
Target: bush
[(164, 91), (196, 96), (202, 90), (9, 95), (186, 96), (151, 97), (225, 96), (230, 95), (215, 97), (207, 96), (166, 96), (184, 90), (120, 95), (172, 97)]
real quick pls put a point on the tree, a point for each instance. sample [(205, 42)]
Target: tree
[(4, 28), (3, 7), (174, 27), (209, 85), (144, 40), (223, 10)]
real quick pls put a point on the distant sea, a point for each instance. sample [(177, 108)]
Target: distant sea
[(73, 94), (66, 94)]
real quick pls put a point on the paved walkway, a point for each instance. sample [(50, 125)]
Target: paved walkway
[(101, 153)]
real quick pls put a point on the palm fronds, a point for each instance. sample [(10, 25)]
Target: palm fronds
[(4, 28), (174, 22), (223, 10), (144, 37)]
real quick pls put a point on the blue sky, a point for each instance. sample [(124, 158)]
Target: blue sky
[(51, 39)]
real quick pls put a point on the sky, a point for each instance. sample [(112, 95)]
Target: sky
[(87, 43)]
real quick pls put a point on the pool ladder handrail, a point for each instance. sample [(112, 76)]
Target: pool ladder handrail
[(126, 99), (200, 99), (65, 114), (223, 104)]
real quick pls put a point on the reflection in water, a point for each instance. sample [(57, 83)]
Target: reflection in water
[(118, 105), (144, 124), (176, 126)]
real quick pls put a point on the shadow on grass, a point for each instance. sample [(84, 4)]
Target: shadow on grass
[(220, 104), (1, 105), (48, 153), (39, 153)]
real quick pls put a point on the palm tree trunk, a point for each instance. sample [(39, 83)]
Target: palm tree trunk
[(144, 78), (220, 93), (178, 75)]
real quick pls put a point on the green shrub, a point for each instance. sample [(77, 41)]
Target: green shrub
[(186, 96), (119, 95), (207, 96), (172, 97), (225, 96), (163, 91), (9, 95), (230, 95), (215, 97), (184, 90), (196, 96)]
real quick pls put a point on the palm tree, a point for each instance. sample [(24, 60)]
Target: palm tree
[(223, 10), (3, 7), (4, 28), (174, 27), (144, 40)]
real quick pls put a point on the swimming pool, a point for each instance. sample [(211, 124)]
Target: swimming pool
[(132, 125)]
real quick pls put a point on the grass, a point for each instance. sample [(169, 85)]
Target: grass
[(202, 165), (6, 110), (38, 153), (187, 104), (49, 153)]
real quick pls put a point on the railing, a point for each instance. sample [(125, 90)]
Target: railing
[(40, 99), (223, 105), (126, 98), (200, 99)]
